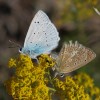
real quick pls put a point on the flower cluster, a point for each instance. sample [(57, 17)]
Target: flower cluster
[(89, 86), (33, 81), (28, 83), (78, 87), (70, 90)]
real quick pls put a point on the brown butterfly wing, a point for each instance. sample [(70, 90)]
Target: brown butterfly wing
[(61, 57), (73, 56), (64, 55)]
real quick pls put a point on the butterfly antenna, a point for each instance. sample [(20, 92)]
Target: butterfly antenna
[(14, 44)]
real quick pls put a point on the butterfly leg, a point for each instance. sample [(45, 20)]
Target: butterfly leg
[(56, 73)]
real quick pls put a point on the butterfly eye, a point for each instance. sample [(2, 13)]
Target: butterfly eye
[(74, 63), (20, 49), (61, 75)]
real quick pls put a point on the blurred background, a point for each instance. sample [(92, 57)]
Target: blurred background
[(74, 19)]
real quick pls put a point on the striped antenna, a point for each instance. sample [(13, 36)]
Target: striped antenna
[(14, 45)]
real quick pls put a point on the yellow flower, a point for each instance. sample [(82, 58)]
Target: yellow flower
[(12, 63), (28, 83), (89, 86), (33, 81), (84, 79), (68, 89)]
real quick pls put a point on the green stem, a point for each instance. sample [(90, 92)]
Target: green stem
[(50, 79), (52, 89)]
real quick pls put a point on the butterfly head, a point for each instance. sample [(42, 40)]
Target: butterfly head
[(20, 50), (28, 52)]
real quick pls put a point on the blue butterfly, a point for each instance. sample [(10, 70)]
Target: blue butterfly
[(42, 36)]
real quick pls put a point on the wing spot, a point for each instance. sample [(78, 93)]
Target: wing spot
[(46, 40), (65, 52), (34, 22), (47, 44), (85, 60), (37, 22), (34, 33), (36, 44), (28, 51), (62, 53), (45, 33), (74, 63)]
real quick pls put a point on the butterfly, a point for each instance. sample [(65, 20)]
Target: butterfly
[(72, 56), (42, 36)]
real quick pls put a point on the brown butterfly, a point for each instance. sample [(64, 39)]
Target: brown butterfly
[(73, 56)]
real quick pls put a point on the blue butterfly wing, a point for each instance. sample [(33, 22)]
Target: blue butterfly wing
[(43, 38)]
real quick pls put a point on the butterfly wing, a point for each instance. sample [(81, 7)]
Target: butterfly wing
[(42, 35), (74, 56), (37, 21)]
